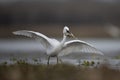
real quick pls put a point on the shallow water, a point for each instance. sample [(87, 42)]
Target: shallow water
[(110, 47), (32, 52)]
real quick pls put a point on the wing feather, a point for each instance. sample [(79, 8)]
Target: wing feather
[(46, 42), (78, 46)]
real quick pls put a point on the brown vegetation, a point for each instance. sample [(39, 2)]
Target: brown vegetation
[(56, 72)]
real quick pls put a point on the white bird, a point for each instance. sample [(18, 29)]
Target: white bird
[(54, 48)]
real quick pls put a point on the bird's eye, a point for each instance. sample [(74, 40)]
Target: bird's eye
[(68, 31)]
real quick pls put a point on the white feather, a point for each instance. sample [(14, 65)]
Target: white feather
[(78, 46), (46, 42)]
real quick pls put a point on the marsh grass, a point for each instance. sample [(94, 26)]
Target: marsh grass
[(56, 72)]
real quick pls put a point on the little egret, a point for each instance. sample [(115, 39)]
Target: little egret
[(54, 48)]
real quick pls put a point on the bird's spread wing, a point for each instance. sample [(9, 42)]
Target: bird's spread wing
[(46, 42), (78, 46)]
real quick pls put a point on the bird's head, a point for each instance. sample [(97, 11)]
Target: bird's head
[(67, 32)]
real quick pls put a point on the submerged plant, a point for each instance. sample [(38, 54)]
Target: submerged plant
[(88, 63), (13, 59), (5, 63), (21, 62)]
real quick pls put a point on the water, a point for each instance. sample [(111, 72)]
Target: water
[(32, 52)]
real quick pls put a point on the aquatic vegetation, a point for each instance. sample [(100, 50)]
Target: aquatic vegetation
[(4, 63), (117, 57), (35, 60), (13, 59), (88, 63), (21, 62), (92, 63)]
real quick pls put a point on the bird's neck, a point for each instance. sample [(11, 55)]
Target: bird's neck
[(64, 39)]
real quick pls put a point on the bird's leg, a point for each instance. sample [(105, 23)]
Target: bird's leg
[(58, 60), (48, 60)]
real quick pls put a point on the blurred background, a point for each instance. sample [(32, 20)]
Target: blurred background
[(87, 18), (95, 21)]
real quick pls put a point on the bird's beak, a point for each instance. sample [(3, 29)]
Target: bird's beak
[(71, 35)]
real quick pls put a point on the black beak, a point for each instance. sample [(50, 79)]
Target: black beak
[(71, 35)]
